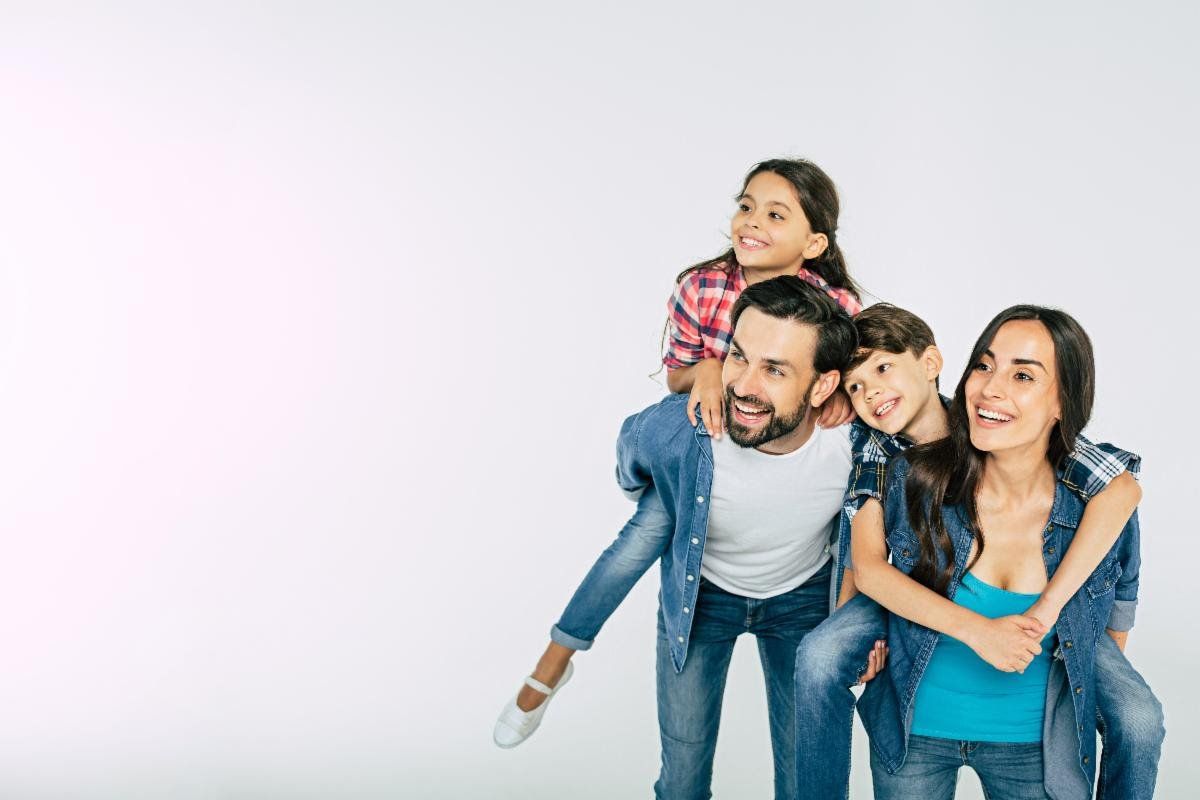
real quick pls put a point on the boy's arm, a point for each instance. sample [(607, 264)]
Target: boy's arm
[(1129, 556), (1103, 520), (848, 588), (1007, 643)]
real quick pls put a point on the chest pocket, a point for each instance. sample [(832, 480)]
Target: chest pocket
[(1104, 579), (902, 547)]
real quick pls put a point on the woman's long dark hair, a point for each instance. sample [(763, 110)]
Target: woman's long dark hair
[(819, 200), (947, 472)]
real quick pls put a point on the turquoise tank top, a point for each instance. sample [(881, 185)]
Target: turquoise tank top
[(961, 696)]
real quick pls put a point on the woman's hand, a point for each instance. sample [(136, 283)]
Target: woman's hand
[(1007, 643), (836, 410), (710, 394)]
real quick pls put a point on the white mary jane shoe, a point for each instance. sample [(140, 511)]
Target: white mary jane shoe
[(514, 725)]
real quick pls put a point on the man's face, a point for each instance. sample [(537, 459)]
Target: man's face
[(769, 382)]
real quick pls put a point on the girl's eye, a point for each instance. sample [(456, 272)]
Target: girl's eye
[(776, 215), (742, 207)]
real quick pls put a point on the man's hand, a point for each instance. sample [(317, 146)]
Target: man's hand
[(710, 394), (836, 411), (1007, 643), (876, 661)]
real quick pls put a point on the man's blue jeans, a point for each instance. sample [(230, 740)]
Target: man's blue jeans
[(637, 547), (830, 660), (689, 702), (930, 772)]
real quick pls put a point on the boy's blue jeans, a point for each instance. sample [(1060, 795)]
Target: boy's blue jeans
[(639, 544), (830, 660), (689, 701)]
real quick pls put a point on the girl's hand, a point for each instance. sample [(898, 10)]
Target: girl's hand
[(1007, 643), (836, 411), (876, 661), (710, 394)]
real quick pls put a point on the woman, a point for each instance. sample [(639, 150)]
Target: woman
[(980, 518)]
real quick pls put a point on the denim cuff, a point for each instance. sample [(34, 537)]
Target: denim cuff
[(1122, 614), (558, 636)]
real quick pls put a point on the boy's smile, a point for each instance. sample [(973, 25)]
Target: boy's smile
[(895, 393)]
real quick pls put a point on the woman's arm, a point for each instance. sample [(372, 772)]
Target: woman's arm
[(1103, 520), (1007, 643)]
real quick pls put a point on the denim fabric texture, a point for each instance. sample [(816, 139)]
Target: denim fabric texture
[(1069, 739), (1007, 771), (689, 700)]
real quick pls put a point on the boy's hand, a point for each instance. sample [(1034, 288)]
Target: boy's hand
[(836, 411), (876, 661), (1044, 612), (1007, 643), (710, 394)]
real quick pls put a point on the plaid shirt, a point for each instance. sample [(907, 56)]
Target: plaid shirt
[(1086, 470), (699, 310)]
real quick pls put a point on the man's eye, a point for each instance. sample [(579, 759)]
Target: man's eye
[(774, 371), (736, 356)]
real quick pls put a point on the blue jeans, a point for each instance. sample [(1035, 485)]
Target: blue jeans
[(689, 701), (832, 658), (930, 771), (639, 544)]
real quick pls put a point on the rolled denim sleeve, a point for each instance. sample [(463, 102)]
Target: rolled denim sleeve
[(1129, 556), (1090, 468), (633, 475)]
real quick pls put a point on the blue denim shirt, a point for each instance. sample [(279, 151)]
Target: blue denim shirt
[(659, 449), (1108, 598)]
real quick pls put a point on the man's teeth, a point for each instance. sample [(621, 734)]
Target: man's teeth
[(886, 407), (995, 416), (749, 410)]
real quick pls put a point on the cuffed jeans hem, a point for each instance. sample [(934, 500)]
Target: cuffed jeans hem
[(559, 636)]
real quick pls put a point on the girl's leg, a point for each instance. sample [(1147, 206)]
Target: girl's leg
[(930, 771), (639, 544)]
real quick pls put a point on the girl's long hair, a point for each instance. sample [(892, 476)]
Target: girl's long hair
[(819, 200), (947, 472)]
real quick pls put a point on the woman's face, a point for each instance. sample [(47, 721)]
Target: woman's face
[(1012, 392)]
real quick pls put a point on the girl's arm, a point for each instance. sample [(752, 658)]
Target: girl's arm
[(1103, 520), (1007, 643), (702, 382)]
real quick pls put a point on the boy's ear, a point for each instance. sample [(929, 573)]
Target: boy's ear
[(827, 384), (932, 360)]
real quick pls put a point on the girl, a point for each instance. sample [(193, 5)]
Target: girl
[(980, 518), (785, 223)]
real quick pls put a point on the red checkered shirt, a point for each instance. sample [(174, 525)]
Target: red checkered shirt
[(698, 312)]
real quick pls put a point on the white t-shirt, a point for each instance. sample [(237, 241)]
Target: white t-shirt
[(772, 515)]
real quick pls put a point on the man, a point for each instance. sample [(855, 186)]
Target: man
[(751, 516)]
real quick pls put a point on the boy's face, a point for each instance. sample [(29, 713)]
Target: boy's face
[(889, 390)]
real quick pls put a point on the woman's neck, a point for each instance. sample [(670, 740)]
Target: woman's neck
[(1016, 478)]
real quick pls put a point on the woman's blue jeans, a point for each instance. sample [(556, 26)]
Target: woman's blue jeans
[(930, 772)]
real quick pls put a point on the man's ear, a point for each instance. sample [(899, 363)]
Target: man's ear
[(825, 386), (931, 359)]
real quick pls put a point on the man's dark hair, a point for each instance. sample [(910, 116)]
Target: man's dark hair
[(889, 329), (791, 298)]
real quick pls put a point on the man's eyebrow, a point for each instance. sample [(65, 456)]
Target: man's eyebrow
[(775, 362), (1021, 361)]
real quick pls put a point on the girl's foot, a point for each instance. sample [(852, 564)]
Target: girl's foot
[(515, 725)]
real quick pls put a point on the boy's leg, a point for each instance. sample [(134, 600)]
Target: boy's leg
[(689, 701), (1007, 771), (930, 771), (828, 662), (1131, 727), (780, 623)]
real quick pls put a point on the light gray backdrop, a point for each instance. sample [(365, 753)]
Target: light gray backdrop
[(318, 321)]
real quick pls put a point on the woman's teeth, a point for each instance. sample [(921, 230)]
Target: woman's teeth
[(994, 416)]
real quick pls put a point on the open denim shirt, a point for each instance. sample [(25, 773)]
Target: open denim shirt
[(1107, 599)]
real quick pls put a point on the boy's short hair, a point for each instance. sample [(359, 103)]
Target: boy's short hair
[(891, 329)]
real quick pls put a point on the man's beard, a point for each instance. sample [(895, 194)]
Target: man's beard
[(778, 426)]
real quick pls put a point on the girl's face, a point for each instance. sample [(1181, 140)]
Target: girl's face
[(769, 229), (1012, 392)]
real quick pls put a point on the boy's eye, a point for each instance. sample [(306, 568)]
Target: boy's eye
[(884, 367), (851, 388)]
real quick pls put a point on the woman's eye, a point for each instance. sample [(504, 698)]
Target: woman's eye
[(1024, 376), (981, 367)]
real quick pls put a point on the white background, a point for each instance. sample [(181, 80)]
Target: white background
[(317, 324)]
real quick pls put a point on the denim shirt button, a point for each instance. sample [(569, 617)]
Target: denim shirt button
[(691, 577), (700, 499), (680, 638), (695, 540), (1050, 549), (1068, 644), (1078, 690), (687, 610), (1086, 759)]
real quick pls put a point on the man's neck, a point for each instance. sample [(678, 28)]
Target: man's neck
[(931, 423)]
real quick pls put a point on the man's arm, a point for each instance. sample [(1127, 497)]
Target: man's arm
[(1103, 520)]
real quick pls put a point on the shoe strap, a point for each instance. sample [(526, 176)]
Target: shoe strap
[(534, 683)]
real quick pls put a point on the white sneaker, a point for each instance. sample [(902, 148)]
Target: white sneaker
[(514, 725)]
